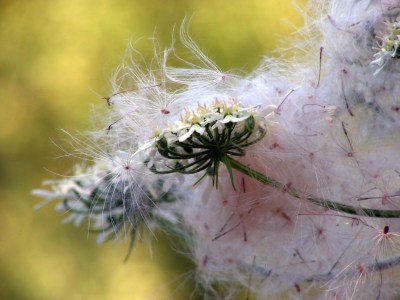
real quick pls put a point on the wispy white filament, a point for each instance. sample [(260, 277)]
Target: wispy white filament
[(332, 117)]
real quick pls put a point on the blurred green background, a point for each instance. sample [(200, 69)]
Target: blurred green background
[(56, 58)]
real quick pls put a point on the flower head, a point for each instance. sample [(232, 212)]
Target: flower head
[(389, 47), (109, 203), (207, 136)]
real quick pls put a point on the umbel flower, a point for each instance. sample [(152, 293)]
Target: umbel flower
[(206, 137), (285, 183), (389, 47)]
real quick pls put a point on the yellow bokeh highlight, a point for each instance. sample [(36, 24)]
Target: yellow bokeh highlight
[(56, 58)]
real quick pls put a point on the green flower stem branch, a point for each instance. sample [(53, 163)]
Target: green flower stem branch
[(262, 273), (340, 207)]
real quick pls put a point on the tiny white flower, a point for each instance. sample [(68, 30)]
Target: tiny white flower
[(185, 134)]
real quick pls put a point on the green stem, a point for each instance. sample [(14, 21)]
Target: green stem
[(352, 210)]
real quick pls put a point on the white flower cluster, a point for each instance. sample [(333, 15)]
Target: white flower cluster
[(389, 46), (206, 137), (304, 201), (113, 199), (75, 195), (218, 115)]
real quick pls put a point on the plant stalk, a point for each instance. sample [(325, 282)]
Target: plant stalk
[(332, 205)]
